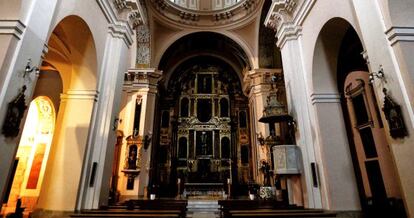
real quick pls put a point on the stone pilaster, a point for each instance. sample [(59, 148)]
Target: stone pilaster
[(144, 83)]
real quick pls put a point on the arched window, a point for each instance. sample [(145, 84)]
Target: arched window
[(165, 121), (184, 107), (242, 119), (225, 148), (182, 148), (224, 108)]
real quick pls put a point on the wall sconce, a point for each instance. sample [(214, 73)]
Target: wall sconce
[(380, 75), (28, 69), (116, 122), (292, 124), (260, 138), (147, 140)]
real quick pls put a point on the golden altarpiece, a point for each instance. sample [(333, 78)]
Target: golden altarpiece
[(204, 141)]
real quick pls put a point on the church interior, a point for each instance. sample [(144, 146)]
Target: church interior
[(206, 108)]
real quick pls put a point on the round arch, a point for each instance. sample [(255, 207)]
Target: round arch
[(74, 59), (335, 155), (240, 42), (72, 54), (168, 74), (325, 55)]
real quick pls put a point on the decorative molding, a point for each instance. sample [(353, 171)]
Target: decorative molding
[(288, 31), (143, 45), (280, 11), (12, 27), (139, 78), (189, 18), (258, 77), (317, 98), (122, 32), (80, 95), (400, 34), (123, 16), (286, 17)]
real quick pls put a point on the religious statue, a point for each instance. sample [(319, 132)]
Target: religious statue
[(132, 157), (394, 117), (203, 138), (265, 168)]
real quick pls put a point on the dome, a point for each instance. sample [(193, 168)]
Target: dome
[(205, 5)]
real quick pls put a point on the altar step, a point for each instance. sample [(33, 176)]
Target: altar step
[(203, 209)]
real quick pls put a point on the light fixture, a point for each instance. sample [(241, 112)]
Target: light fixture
[(28, 69), (147, 140), (380, 75), (116, 122)]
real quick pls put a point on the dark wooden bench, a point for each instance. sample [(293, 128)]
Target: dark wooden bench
[(244, 204), (157, 204), (276, 213), (140, 208), (267, 208)]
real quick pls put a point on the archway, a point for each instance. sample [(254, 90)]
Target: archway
[(355, 166), (72, 54), (32, 155), (202, 94)]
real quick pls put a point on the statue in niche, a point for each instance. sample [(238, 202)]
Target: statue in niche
[(394, 117), (204, 83), (15, 112), (203, 143), (132, 157)]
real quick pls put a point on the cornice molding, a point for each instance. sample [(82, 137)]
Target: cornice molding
[(139, 78), (258, 77), (123, 16), (288, 31), (123, 32), (12, 27), (286, 17), (397, 34), (237, 14)]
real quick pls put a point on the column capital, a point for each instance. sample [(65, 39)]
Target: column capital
[(140, 78), (285, 17), (123, 16), (258, 77)]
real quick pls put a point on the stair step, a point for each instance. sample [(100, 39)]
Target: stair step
[(279, 211), (127, 215), (123, 211), (302, 215)]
